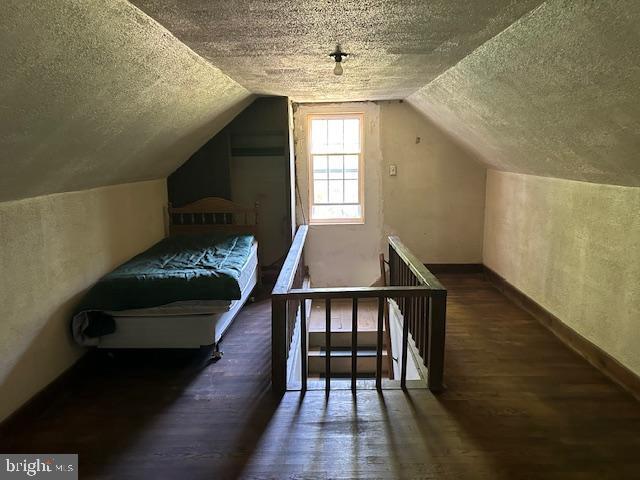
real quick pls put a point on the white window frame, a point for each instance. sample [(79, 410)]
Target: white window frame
[(311, 203)]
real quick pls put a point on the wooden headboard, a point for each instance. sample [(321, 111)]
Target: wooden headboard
[(213, 214)]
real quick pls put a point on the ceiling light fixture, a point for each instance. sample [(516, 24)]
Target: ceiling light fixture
[(338, 55)]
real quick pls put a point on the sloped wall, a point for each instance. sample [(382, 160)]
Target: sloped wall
[(98, 93), (53, 248), (555, 94), (574, 248)]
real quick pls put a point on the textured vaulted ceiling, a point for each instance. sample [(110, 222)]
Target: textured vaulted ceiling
[(281, 47), (541, 87), (95, 93), (556, 94)]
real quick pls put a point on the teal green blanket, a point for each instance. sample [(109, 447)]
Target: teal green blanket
[(204, 267)]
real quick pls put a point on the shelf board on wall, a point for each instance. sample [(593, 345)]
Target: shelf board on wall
[(267, 143), (257, 151)]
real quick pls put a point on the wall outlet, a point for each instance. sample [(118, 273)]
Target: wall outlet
[(393, 170)]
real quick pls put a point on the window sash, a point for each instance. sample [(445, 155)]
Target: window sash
[(325, 176), (319, 141), (350, 194)]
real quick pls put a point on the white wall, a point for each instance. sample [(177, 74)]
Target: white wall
[(53, 248), (435, 203), (344, 255), (574, 248)]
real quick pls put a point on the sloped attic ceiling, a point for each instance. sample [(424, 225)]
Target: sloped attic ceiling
[(281, 47), (97, 93), (556, 94), (540, 87)]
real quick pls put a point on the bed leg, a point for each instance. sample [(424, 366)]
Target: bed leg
[(216, 354)]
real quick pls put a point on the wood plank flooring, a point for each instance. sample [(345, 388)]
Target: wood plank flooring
[(519, 405)]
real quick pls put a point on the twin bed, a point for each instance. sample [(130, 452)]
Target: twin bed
[(183, 292)]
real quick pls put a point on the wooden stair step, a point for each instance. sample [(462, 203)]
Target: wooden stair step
[(341, 361), (343, 352), (343, 338)]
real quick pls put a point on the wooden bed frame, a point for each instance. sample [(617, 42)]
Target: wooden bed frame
[(213, 214)]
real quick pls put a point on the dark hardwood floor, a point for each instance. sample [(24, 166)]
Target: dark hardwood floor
[(519, 405)]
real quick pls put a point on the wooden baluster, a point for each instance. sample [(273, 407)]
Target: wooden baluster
[(354, 343), (407, 282), (414, 310), (379, 343), (437, 328), (327, 337), (405, 345), (404, 282), (425, 334), (410, 311), (416, 316), (303, 344), (421, 326)]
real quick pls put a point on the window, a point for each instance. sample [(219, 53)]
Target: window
[(335, 166)]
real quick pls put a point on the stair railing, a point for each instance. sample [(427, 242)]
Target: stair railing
[(420, 297), (283, 313), (425, 317)]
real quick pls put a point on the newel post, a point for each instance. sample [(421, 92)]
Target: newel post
[(437, 330), (278, 344)]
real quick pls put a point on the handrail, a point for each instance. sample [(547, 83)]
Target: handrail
[(288, 272), (356, 292), (417, 267), (282, 318)]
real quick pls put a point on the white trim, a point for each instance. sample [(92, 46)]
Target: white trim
[(360, 116)]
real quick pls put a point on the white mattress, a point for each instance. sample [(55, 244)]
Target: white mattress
[(175, 331), (198, 307)]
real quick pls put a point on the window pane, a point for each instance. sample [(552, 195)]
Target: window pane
[(352, 135), (320, 167), (319, 136), (351, 191), (320, 191), (336, 167), (336, 135), (336, 194), (351, 166)]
